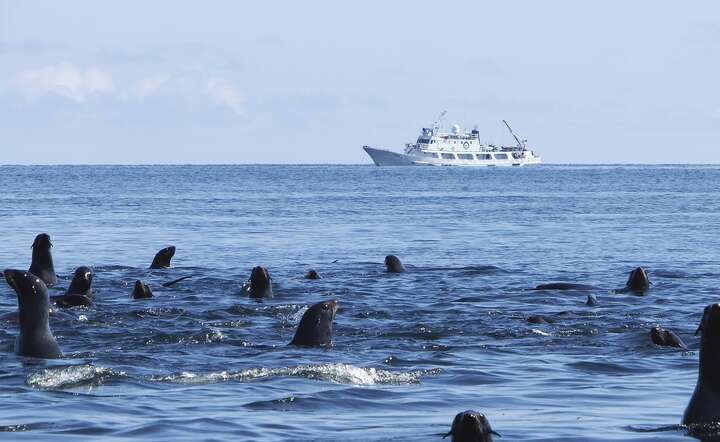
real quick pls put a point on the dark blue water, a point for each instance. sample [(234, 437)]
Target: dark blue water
[(202, 361)]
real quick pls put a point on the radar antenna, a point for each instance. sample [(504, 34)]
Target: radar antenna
[(436, 124), (520, 145)]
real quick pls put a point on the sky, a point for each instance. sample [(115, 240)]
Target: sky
[(137, 82)]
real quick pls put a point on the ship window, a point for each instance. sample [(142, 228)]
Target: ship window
[(448, 156), (436, 155), (465, 156), (484, 156), (501, 156)]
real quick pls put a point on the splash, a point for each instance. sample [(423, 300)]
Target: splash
[(336, 373), (72, 376)]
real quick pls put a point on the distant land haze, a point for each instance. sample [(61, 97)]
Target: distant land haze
[(312, 82)]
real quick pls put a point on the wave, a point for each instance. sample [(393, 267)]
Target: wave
[(336, 373), (72, 376)]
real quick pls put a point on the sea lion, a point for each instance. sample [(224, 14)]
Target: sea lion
[(393, 264), (141, 291), (260, 283), (471, 426), (540, 319), (42, 262), (162, 258), (312, 274), (638, 281), (35, 339), (80, 291), (315, 328), (666, 338), (591, 300), (704, 405), (565, 286)]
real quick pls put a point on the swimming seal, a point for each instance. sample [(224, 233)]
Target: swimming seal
[(591, 300), (35, 339), (565, 286), (666, 338), (638, 282), (393, 264), (141, 291), (312, 274), (162, 258), (315, 328), (260, 284), (42, 262), (540, 319), (471, 426), (704, 405), (80, 291)]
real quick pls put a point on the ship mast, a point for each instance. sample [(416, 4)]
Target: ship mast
[(436, 124), (520, 145)]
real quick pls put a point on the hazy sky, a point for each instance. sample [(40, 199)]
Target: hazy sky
[(312, 81)]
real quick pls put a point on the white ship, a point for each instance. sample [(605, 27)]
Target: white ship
[(456, 148)]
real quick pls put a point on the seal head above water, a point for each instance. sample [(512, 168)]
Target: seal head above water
[(704, 405), (162, 258), (312, 274), (260, 283), (42, 262), (393, 264), (666, 338), (35, 339), (471, 426), (141, 290), (80, 291), (315, 328), (638, 281)]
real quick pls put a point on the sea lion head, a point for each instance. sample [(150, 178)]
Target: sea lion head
[(638, 280), (471, 426), (393, 264), (162, 258), (315, 328)]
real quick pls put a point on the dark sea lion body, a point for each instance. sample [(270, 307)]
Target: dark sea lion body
[(260, 284), (704, 405), (591, 300), (162, 258), (312, 274), (565, 286), (638, 281), (540, 319), (35, 339), (141, 291), (42, 262), (80, 291), (471, 426), (393, 264), (666, 338), (315, 328)]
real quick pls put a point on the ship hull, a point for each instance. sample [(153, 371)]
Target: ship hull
[(382, 157)]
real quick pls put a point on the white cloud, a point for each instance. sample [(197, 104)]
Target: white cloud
[(149, 85), (66, 80), (77, 84), (224, 93)]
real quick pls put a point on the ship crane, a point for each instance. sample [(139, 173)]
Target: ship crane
[(521, 145)]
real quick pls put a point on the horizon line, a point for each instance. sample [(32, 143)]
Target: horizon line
[(332, 164)]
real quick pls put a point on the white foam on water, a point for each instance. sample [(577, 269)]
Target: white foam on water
[(336, 373), (74, 375)]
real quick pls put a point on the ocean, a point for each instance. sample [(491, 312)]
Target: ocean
[(202, 361)]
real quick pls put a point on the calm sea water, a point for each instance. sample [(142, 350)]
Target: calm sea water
[(202, 361)]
